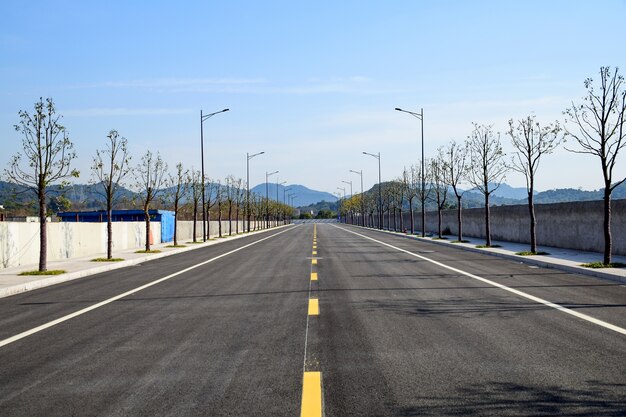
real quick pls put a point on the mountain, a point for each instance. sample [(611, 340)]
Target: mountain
[(305, 196)]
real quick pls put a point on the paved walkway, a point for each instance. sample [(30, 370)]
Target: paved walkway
[(12, 283), (564, 259), (568, 260)]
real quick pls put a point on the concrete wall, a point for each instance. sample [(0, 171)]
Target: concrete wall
[(19, 241), (575, 225)]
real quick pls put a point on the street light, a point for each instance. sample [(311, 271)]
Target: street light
[(248, 158), (344, 197), (267, 196), (380, 194), (285, 201), (350, 182), (277, 210), (420, 116), (204, 117), (360, 174)]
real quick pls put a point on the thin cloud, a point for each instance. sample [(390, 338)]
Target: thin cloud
[(121, 111)]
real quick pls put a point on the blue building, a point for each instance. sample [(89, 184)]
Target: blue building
[(165, 217)]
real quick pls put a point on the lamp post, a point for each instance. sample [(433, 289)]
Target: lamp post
[(267, 197), (351, 215), (360, 174), (277, 210), (248, 158), (420, 116), (380, 194), (344, 197), (204, 117), (285, 201)]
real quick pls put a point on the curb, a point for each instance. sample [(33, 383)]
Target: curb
[(70, 276), (523, 259)]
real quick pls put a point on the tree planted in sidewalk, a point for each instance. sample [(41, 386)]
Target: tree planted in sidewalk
[(177, 189), (110, 167), (455, 170), (487, 168), (439, 186), (194, 179), (599, 129), (46, 158), (150, 174), (532, 141)]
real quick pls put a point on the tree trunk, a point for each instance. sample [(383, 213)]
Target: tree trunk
[(230, 220), (176, 223), (533, 222), (487, 225), (459, 219), (147, 215), (439, 220), (43, 235), (237, 220), (401, 220), (607, 223), (395, 224), (219, 220), (208, 229), (109, 228), (195, 215)]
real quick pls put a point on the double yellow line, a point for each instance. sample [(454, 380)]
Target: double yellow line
[(312, 380)]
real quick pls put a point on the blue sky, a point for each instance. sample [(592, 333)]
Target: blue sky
[(313, 84)]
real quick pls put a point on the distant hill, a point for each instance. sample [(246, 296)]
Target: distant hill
[(306, 196)]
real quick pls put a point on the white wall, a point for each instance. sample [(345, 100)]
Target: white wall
[(19, 241)]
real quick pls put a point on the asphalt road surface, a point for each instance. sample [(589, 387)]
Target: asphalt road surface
[(314, 319)]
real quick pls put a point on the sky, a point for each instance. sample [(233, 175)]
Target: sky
[(312, 84)]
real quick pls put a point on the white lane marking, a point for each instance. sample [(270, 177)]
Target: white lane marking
[(131, 292), (504, 287)]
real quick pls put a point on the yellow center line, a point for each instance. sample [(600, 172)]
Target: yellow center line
[(314, 252), (314, 307), (311, 395), (314, 246), (313, 261), (313, 276)]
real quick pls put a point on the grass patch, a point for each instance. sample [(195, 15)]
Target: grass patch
[(107, 260), (50, 272), (176, 246), (195, 243), (460, 241), (488, 246), (440, 238), (148, 251), (597, 265), (529, 253)]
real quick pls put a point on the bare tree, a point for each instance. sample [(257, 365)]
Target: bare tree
[(110, 167), (212, 189), (600, 123), (411, 184), (232, 187), (150, 175), (219, 199), (177, 188), (48, 153), (196, 194), (455, 171), (240, 195), (487, 168), (532, 142), (439, 185), (422, 190)]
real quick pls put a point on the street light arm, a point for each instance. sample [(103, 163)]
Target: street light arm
[(418, 115), (371, 154), (256, 154), (206, 116)]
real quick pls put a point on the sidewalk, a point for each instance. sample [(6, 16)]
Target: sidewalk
[(568, 260), (12, 283)]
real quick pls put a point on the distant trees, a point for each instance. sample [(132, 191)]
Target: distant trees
[(487, 168), (150, 174), (531, 142), (46, 158), (110, 166), (196, 194), (599, 129)]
